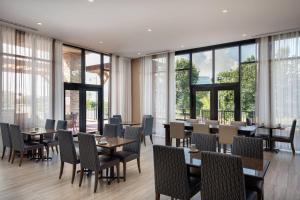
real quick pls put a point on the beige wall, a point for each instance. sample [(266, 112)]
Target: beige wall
[(135, 89)]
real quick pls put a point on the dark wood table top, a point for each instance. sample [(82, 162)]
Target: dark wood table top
[(39, 131), (251, 166), (113, 142), (272, 127), (131, 123)]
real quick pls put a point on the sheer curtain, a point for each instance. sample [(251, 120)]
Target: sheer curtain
[(26, 78), (121, 87), (59, 82), (146, 81)]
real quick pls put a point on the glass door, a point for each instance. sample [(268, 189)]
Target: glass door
[(92, 111), (72, 109), (226, 106), (203, 99)]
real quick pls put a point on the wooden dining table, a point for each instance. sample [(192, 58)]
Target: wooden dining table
[(271, 143), (214, 129), (256, 168), (131, 123)]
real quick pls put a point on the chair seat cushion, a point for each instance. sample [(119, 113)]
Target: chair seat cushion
[(281, 138), (126, 156), (108, 161), (102, 151), (33, 146), (262, 136), (251, 195)]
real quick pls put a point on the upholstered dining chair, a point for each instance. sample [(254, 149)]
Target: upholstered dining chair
[(119, 117), (61, 125), (223, 178), (147, 128), (110, 130), (89, 159), (6, 139), (117, 121), (130, 151), (252, 148), (177, 132), (287, 139), (205, 142), (171, 175), (226, 134), (67, 152), (238, 123), (19, 145), (201, 128)]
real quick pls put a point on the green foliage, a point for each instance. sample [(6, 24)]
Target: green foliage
[(90, 104)]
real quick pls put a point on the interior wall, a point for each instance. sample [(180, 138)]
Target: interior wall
[(135, 89)]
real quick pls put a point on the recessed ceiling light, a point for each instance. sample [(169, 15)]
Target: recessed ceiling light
[(100, 42), (91, 1), (138, 53), (244, 35), (149, 29), (224, 11), (39, 23)]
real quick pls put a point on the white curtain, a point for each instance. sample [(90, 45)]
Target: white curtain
[(121, 87), (26, 78), (146, 81), (59, 82), (172, 87)]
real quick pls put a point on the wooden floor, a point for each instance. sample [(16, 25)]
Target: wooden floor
[(39, 180)]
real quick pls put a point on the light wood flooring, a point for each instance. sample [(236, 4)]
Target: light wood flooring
[(39, 180)]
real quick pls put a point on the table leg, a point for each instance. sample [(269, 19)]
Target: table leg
[(167, 136), (41, 141)]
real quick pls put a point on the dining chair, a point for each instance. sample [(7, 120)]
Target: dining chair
[(119, 117), (89, 159), (238, 124), (205, 142), (177, 131), (6, 139), (223, 178), (252, 148), (110, 130), (130, 151), (67, 152), (61, 125), (171, 174), (212, 122), (201, 128), (19, 145), (147, 128), (49, 139), (226, 134), (287, 139), (117, 121)]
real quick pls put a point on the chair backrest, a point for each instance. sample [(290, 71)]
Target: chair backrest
[(193, 121), (201, 128), (177, 130), (119, 117), (170, 172), (205, 142), (88, 151), (116, 121), (17, 139), (222, 177), (61, 125), (6, 138), (133, 133), (248, 146), (226, 134), (212, 122), (144, 118), (67, 147), (111, 130), (148, 126), (238, 123), (50, 124), (293, 129)]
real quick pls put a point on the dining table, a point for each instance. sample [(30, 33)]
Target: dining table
[(131, 123), (252, 167), (271, 129), (248, 131)]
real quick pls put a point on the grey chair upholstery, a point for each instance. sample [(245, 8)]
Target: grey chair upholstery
[(6, 139), (110, 130), (67, 152), (130, 151), (62, 125), (205, 142), (90, 160), (287, 139), (19, 145), (171, 174), (147, 128), (119, 117), (252, 148), (223, 178), (117, 121), (50, 124)]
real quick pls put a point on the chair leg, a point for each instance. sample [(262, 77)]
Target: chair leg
[(3, 152), (73, 173), (61, 169), (151, 139), (157, 196), (10, 153), (118, 172), (42, 153), (124, 171), (47, 151), (96, 180), (139, 164), (56, 147), (52, 149), (21, 159), (293, 148), (81, 176), (13, 157), (144, 138)]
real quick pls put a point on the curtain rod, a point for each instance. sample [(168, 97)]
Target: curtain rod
[(278, 32)]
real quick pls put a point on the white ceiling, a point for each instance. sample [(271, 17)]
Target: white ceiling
[(122, 24)]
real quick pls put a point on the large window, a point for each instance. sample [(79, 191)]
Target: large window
[(202, 67)]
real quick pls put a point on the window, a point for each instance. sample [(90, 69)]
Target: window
[(92, 68), (227, 65), (202, 68), (182, 87), (72, 64)]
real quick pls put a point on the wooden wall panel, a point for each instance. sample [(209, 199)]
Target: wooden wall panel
[(135, 88)]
